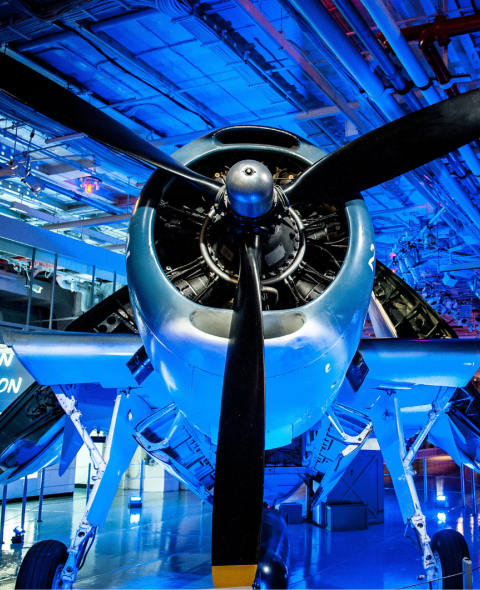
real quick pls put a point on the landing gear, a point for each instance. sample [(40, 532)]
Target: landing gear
[(42, 566), (449, 548), (49, 564), (450, 545)]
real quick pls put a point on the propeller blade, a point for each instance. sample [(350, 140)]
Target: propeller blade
[(239, 472), (48, 98), (391, 150)]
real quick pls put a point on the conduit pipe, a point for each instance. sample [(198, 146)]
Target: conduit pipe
[(331, 34), (379, 54), (369, 40), (102, 25), (443, 29), (403, 51)]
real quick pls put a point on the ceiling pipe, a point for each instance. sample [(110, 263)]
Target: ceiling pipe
[(331, 34), (403, 51), (441, 29), (426, 43), (303, 63), (93, 221), (369, 40), (95, 27), (379, 53)]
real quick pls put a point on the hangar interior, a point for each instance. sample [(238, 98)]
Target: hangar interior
[(325, 73)]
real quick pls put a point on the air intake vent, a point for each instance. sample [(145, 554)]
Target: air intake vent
[(257, 136)]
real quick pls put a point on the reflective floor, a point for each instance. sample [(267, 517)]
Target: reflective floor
[(167, 545)]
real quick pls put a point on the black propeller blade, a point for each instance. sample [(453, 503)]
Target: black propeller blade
[(239, 472), (391, 150), (48, 98)]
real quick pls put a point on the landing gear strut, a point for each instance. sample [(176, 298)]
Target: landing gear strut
[(443, 555), (49, 564)]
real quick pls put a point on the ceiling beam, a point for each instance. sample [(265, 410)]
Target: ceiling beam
[(286, 118), (303, 63), (104, 220), (467, 265)]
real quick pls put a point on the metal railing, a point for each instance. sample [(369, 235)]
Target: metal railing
[(453, 479), (24, 505), (24, 499), (467, 577)]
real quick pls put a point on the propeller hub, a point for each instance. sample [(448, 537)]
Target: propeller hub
[(250, 189)]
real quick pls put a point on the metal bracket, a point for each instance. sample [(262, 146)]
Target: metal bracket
[(417, 522), (454, 80)]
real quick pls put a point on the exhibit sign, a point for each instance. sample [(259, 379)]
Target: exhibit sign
[(14, 378)]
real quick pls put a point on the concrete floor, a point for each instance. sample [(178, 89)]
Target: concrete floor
[(167, 545)]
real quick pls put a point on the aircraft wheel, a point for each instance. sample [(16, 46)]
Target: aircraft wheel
[(42, 566), (449, 548)]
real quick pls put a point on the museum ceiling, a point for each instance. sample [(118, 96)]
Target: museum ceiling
[(172, 71)]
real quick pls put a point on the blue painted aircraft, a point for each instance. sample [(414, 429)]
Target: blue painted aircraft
[(235, 357)]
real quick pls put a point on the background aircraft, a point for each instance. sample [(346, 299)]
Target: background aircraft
[(251, 267)]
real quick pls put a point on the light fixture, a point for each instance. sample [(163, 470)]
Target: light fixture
[(441, 501), (442, 517), (90, 183), (34, 184), (18, 536), (135, 502)]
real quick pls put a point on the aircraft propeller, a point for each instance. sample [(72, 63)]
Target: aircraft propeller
[(239, 469), (392, 150), (374, 158)]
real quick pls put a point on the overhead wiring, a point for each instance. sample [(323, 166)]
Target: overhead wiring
[(47, 15), (129, 73)]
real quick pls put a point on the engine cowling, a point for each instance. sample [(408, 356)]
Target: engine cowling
[(317, 275)]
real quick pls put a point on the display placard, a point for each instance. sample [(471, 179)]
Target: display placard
[(14, 378)]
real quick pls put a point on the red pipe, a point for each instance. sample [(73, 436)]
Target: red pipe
[(441, 30)]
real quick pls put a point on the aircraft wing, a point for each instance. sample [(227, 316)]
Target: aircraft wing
[(420, 372), (448, 362), (95, 365), (71, 357)]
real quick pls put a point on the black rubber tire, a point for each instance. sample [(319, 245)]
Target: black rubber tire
[(40, 564), (451, 548)]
